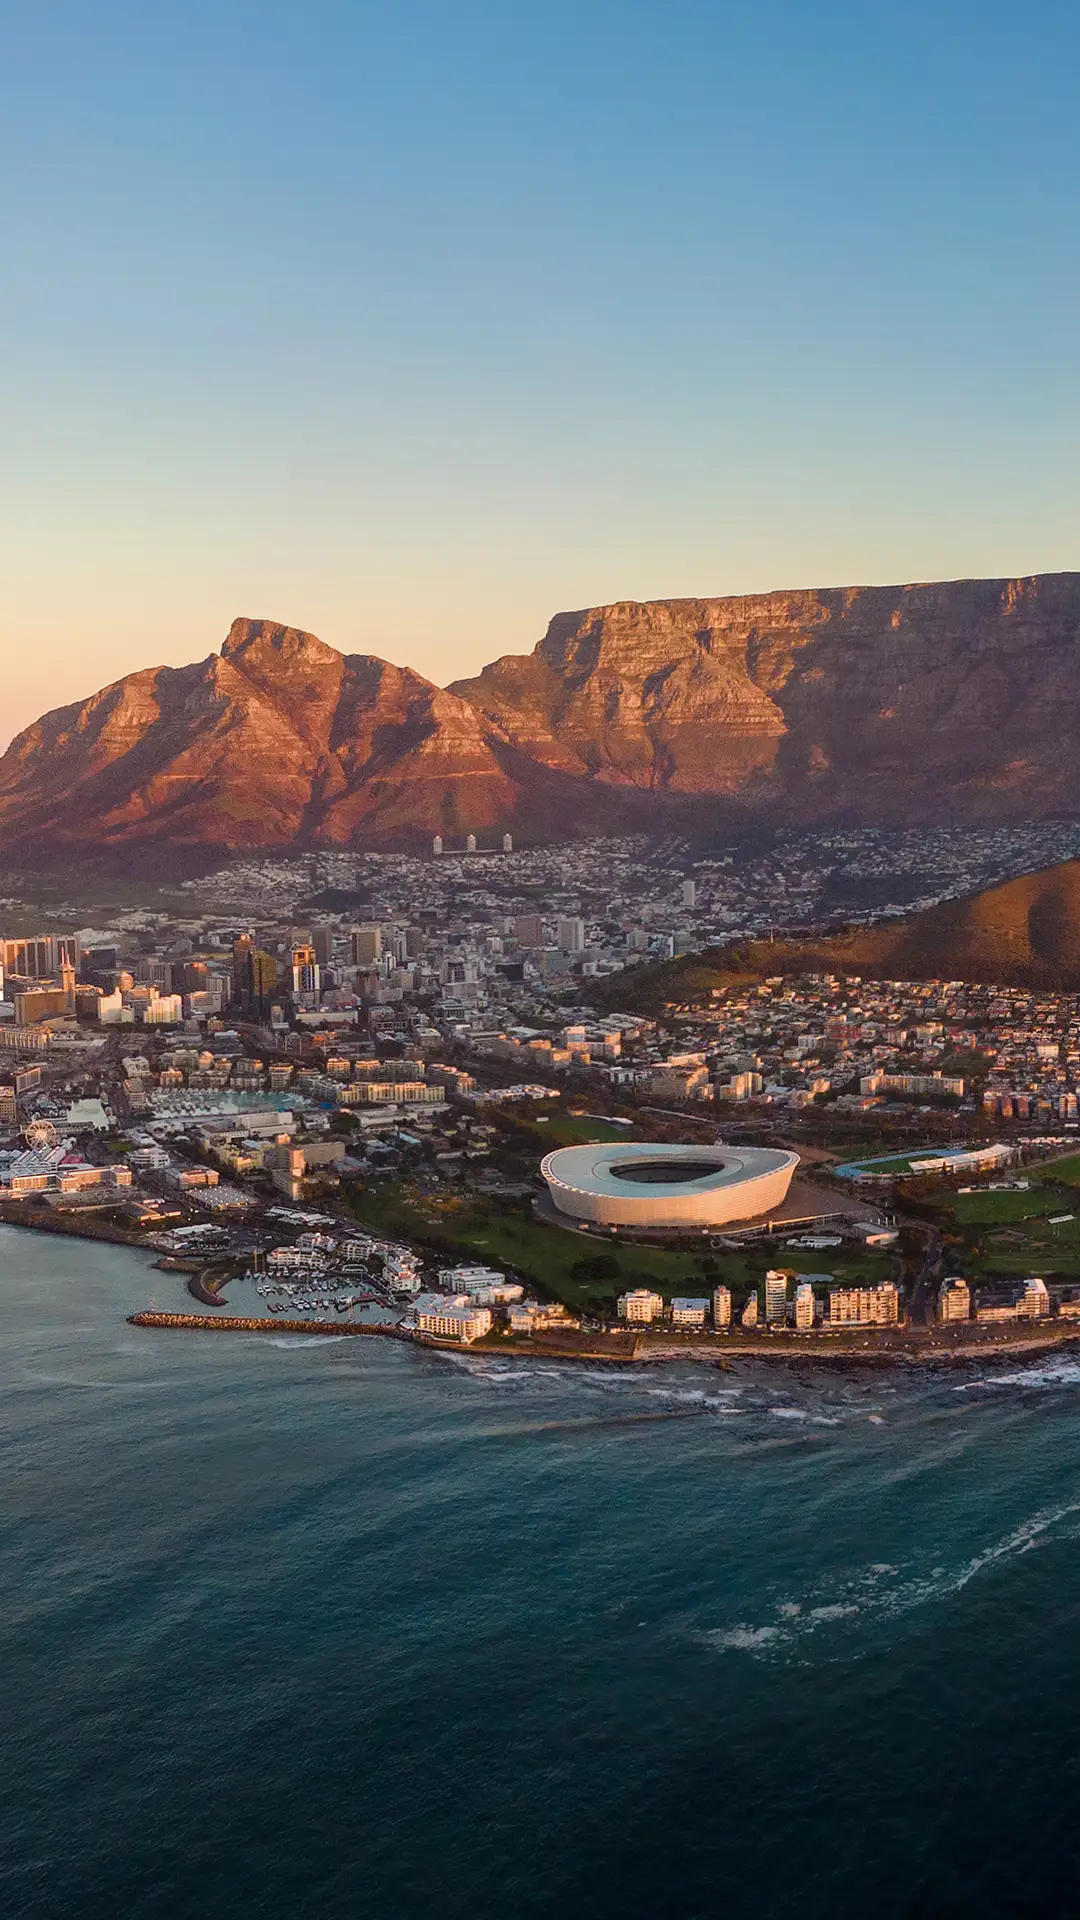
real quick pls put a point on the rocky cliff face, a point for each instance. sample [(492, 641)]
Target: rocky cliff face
[(277, 739), (878, 704), (952, 701)]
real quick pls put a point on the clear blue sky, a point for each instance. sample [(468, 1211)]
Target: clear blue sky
[(413, 322)]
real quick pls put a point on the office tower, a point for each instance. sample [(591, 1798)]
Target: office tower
[(529, 930), (254, 976), (187, 976), (366, 944), (39, 958), (571, 935), (322, 939), (689, 893), (305, 973)]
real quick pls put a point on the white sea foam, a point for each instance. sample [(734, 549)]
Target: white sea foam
[(1058, 1373), (865, 1594)]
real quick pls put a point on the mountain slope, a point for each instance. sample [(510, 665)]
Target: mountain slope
[(276, 739), (1023, 933), (883, 705), (954, 701)]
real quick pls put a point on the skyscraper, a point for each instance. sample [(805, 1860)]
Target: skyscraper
[(366, 942), (305, 974)]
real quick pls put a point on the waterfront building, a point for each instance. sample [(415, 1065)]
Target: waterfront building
[(1034, 1302), (954, 1301), (776, 1291), (804, 1307), (721, 1307), (687, 1311), (640, 1306), (864, 1306), (535, 1316), (749, 1315), (452, 1321)]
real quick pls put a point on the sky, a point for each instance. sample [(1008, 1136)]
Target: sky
[(412, 322)]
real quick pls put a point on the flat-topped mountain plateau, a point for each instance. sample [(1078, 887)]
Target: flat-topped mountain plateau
[(956, 702)]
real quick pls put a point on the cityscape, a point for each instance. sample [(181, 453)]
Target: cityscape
[(339, 1098)]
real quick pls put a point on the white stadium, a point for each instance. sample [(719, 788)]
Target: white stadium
[(636, 1184)]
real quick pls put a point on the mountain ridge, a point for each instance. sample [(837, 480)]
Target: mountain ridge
[(946, 702), (1023, 932)]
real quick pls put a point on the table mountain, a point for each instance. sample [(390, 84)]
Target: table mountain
[(884, 705), (956, 701)]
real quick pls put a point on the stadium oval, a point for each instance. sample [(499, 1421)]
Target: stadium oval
[(638, 1184)]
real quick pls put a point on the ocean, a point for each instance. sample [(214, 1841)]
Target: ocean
[(333, 1628)]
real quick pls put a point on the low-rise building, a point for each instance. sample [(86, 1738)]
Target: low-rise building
[(640, 1306), (451, 1321), (687, 1311)]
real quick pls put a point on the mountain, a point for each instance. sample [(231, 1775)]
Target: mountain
[(1023, 933), (957, 701), (884, 705)]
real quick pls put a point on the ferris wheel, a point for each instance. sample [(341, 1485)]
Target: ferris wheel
[(40, 1136)]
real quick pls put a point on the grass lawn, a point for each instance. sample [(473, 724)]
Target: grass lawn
[(1046, 1249), (495, 1234), (492, 1233), (1001, 1209), (567, 1130), (1066, 1172)]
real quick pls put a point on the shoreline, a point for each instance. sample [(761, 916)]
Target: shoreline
[(913, 1349), (926, 1355)]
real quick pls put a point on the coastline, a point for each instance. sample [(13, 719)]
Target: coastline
[(902, 1348)]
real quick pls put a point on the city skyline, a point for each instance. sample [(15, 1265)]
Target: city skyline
[(413, 330)]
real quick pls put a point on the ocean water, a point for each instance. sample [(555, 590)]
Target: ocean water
[(330, 1628)]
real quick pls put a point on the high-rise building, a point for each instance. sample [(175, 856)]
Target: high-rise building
[(571, 935), (39, 958), (954, 1300), (187, 976), (366, 943), (804, 1307), (776, 1286), (305, 973), (721, 1307), (864, 1306), (529, 930), (749, 1315), (689, 893), (254, 976), (322, 939), (508, 843), (470, 843), (436, 845)]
